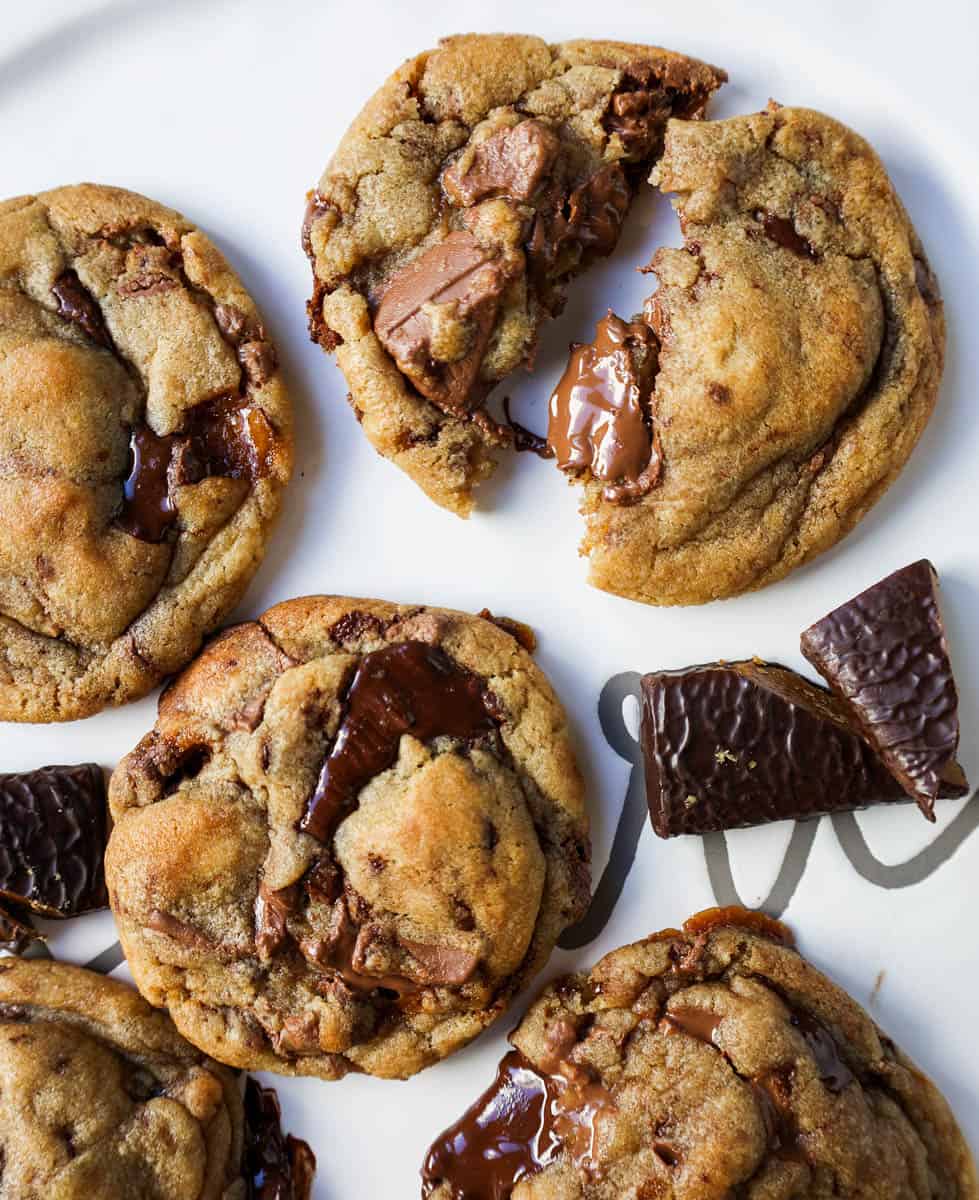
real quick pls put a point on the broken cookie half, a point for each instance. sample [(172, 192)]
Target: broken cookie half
[(797, 341), (475, 184)]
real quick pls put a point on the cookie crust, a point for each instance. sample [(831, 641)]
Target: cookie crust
[(802, 344), (101, 1096), (716, 1061), (414, 168), (407, 931), (122, 328)]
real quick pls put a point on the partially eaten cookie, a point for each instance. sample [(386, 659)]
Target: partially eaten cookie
[(475, 184)]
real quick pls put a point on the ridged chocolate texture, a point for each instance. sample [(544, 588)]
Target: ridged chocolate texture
[(736, 744), (885, 654), (52, 839)]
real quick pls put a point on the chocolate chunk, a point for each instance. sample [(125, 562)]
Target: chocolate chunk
[(736, 744), (600, 420), (272, 908), (699, 1023), (637, 114), (52, 839), (77, 304), (17, 932), (833, 1071), (511, 162), (885, 654), (519, 1125), (446, 965), (436, 317), (276, 1166), (409, 687), (224, 436), (247, 334), (781, 231), (516, 629)]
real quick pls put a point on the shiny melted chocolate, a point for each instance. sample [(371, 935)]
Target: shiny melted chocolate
[(781, 231), (409, 687), (515, 1129), (225, 437), (599, 410), (77, 305), (277, 1166)]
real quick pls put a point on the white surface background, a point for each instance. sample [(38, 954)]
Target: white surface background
[(228, 112)]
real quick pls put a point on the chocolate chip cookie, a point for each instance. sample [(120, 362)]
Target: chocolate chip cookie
[(145, 438), (703, 1063), (101, 1098), (356, 830), (799, 343), (472, 187)]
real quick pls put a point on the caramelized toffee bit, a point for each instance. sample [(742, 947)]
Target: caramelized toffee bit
[(599, 412), (781, 231), (52, 840), (409, 687), (734, 744), (224, 437), (277, 1166), (515, 1129), (746, 918), (511, 162), (885, 654), (436, 316), (77, 304)]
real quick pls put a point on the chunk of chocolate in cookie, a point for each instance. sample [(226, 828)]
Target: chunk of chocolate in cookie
[(600, 419), (53, 832), (17, 932), (436, 317), (885, 654), (511, 162), (733, 744), (278, 1166)]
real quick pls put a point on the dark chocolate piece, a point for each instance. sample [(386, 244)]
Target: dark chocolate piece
[(600, 420), (409, 687), (77, 304), (225, 437), (511, 162), (436, 317), (17, 932), (53, 830), (885, 654), (736, 744), (783, 233), (515, 1129), (277, 1166)]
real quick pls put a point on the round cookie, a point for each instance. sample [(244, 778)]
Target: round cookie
[(475, 183), (801, 342), (355, 832), (704, 1063), (145, 439), (100, 1097)]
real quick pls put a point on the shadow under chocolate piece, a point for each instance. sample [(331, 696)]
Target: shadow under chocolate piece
[(728, 745), (885, 654), (53, 832)]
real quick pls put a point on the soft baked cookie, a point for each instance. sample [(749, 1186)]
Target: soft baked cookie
[(800, 345), (356, 830), (474, 184), (101, 1098), (704, 1064), (145, 438)]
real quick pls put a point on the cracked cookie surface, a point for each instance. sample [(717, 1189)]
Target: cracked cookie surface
[(703, 1064), (100, 1097), (802, 340), (472, 187), (145, 438), (355, 832)]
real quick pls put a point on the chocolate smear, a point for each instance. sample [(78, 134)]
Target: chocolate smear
[(885, 654), (53, 831), (409, 687), (600, 421)]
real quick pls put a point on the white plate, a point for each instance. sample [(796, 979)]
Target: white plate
[(228, 112)]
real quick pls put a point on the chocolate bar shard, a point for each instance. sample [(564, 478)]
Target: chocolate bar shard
[(53, 830), (885, 654), (17, 932), (729, 745), (277, 1166)]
